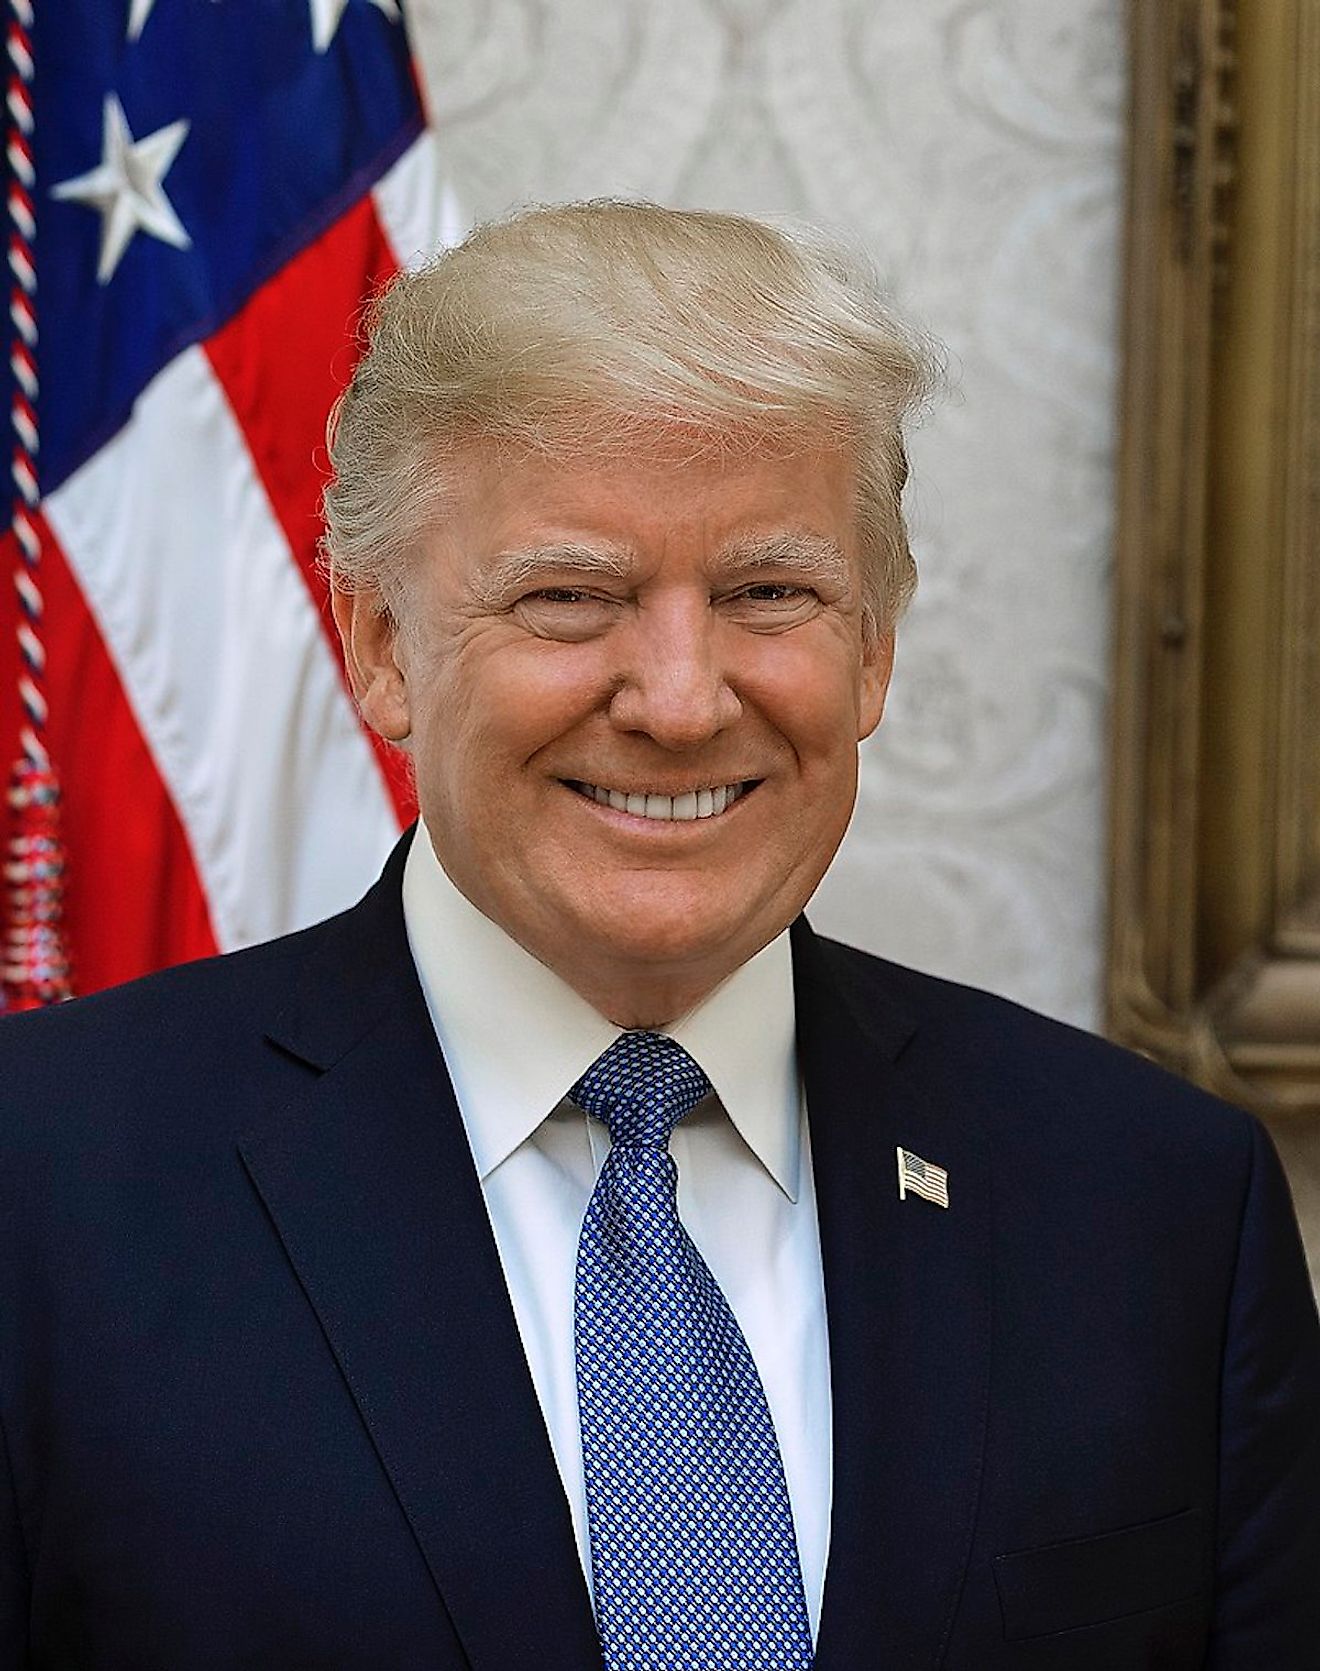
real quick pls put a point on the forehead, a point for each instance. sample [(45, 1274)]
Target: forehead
[(668, 487)]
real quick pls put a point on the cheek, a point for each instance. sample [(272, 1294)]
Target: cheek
[(491, 715), (553, 686), (810, 696)]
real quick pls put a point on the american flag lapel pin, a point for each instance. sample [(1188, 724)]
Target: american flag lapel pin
[(920, 1177)]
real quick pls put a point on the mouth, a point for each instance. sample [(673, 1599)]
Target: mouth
[(691, 805)]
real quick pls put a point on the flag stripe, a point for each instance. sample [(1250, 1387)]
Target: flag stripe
[(133, 900), (281, 361), (419, 214), (215, 637)]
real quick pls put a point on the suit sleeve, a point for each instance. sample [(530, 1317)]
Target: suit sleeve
[(1267, 1606)]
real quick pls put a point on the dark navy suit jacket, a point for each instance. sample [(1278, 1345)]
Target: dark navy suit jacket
[(265, 1406)]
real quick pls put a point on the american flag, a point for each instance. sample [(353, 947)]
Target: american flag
[(201, 193), (920, 1177)]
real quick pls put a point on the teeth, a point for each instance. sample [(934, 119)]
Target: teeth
[(693, 804)]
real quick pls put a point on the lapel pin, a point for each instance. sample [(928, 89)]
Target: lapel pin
[(921, 1178)]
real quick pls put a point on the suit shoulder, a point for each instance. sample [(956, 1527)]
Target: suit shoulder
[(190, 1026), (241, 979), (1046, 1066)]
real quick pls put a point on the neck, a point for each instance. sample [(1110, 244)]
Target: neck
[(641, 1000)]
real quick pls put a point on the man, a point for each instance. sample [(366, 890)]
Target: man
[(350, 1317)]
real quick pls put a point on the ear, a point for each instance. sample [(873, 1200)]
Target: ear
[(370, 637), (873, 680)]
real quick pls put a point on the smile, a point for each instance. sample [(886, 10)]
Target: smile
[(695, 803)]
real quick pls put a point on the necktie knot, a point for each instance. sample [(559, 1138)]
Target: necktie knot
[(641, 1087)]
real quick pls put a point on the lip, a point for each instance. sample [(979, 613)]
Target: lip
[(582, 791)]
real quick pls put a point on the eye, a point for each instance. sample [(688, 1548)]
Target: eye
[(771, 605), (565, 612), (557, 594), (771, 591), (775, 597)]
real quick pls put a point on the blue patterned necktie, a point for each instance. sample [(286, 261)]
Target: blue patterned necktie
[(693, 1557)]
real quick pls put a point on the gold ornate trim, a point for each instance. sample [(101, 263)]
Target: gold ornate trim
[(1214, 955)]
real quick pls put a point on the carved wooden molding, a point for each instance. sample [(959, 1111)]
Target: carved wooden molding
[(1214, 955)]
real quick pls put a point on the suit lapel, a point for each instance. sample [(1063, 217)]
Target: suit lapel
[(369, 1180), (908, 1299)]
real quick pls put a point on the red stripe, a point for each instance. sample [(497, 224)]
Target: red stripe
[(281, 363), (133, 901)]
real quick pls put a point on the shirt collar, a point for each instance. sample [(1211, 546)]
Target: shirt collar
[(484, 991)]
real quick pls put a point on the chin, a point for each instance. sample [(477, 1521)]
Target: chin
[(684, 933)]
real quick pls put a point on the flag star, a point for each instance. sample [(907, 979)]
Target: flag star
[(125, 187), (327, 14), (138, 13)]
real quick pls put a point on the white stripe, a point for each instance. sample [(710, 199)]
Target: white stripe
[(416, 204), (224, 662)]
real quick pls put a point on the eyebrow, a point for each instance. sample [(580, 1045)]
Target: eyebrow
[(512, 569), (808, 555)]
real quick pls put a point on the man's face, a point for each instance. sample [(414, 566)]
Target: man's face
[(633, 692)]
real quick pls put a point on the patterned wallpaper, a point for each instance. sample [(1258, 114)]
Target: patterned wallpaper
[(973, 146)]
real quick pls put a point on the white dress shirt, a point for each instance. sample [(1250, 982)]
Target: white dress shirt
[(515, 1038)]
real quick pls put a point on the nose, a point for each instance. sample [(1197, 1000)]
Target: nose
[(673, 683)]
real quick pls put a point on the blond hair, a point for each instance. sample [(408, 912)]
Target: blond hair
[(577, 328)]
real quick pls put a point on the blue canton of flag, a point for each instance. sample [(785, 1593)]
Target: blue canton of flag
[(188, 150)]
